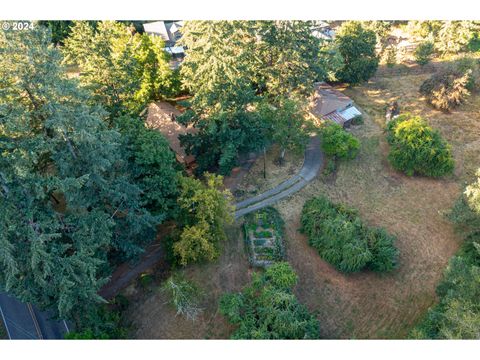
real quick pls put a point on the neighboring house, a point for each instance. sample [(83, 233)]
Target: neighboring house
[(323, 30), (161, 116), (328, 103), (169, 31)]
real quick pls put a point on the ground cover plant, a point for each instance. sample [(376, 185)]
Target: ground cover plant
[(417, 149), (341, 238)]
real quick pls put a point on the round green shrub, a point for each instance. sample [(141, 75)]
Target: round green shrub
[(415, 148), (339, 143)]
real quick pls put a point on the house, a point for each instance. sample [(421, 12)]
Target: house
[(322, 30), (161, 116), (170, 32), (328, 103)]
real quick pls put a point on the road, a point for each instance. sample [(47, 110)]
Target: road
[(312, 163), (26, 322)]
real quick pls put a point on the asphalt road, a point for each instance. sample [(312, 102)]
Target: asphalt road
[(26, 322)]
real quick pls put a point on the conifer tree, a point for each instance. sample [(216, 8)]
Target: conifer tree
[(68, 205)]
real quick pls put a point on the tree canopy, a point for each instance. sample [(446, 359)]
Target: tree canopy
[(231, 66), (125, 70), (69, 204), (357, 47), (205, 211)]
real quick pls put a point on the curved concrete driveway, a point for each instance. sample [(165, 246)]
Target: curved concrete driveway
[(312, 163)]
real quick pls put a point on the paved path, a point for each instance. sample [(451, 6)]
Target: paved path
[(26, 322), (312, 163)]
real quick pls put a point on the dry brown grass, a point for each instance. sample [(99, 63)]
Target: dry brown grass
[(363, 305), (368, 305), (153, 317), (254, 183)]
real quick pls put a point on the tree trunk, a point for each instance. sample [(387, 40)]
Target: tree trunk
[(281, 160), (264, 162)]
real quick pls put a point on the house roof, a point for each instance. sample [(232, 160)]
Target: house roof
[(326, 99), (160, 118), (167, 30)]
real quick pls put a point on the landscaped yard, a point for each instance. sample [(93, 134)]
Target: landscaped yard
[(368, 305), (254, 182), (365, 304), (264, 237)]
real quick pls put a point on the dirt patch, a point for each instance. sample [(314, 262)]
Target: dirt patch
[(254, 182), (153, 317), (369, 305)]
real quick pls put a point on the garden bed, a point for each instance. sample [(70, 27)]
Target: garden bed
[(264, 237)]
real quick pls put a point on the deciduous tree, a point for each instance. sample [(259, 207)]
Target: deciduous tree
[(205, 211), (357, 47)]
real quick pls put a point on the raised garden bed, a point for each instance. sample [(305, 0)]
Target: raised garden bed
[(264, 237)]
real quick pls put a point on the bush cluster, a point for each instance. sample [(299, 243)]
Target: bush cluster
[(268, 308), (415, 148), (340, 237), (447, 89), (339, 143)]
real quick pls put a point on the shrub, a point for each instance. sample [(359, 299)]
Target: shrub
[(468, 64), (384, 253), (415, 148), (340, 238), (268, 309), (390, 56), (339, 143), (357, 120), (446, 90), (423, 53), (185, 296)]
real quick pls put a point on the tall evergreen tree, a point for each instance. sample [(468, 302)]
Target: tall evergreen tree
[(68, 205)]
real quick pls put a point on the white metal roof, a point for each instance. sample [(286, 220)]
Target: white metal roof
[(350, 112)]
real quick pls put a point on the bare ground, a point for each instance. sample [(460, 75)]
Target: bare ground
[(254, 182), (153, 317)]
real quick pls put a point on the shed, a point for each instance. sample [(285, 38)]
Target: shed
[(328, 103)]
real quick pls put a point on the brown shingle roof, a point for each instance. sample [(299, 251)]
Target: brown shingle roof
[(326, 99), (160, 118)]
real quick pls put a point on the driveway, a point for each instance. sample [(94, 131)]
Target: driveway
[(313, 162)]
